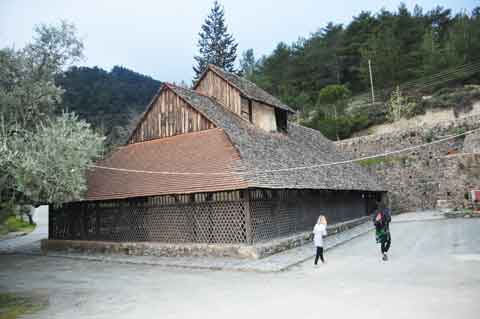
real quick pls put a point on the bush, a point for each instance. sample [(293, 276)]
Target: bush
[(346, 125), (429, 136), (14, 306), (15, 224), (460, 99)]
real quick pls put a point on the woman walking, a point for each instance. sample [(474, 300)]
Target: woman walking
[(319, 231)]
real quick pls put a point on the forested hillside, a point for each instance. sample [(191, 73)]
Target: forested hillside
[(325, 76), (107, 100), (402, 46)]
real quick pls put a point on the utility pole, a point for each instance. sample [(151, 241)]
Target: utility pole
[(371, 80)]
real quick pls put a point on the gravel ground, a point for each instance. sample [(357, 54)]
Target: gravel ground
[(433, 272)]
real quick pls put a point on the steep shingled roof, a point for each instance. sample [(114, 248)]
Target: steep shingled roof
[(247, 88), (235, 148), (260, 150), (180, 153)]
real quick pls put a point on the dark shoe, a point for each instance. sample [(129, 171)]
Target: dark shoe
[(385, 257)]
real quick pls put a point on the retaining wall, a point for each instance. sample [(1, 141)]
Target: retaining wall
[(417, 179)]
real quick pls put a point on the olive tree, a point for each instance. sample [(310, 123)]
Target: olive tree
[(43, 153)]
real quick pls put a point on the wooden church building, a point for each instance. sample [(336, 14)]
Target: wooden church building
[(219, 164)]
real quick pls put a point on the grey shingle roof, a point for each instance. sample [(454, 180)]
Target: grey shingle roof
[(260, 150), (249, 89)]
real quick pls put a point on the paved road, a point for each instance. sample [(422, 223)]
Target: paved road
[(434, 272), (40, 217)]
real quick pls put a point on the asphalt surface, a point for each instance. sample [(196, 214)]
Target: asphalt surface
[(40, 217), (433, 272)]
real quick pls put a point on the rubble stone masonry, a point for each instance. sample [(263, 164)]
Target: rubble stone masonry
[(417, 179)]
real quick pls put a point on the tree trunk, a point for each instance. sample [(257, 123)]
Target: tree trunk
[(30, 217)]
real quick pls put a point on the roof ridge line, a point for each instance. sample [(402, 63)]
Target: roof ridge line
[(171, 137), (188, 89)]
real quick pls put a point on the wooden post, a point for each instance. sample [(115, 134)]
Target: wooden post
[(275, 211), (248, 217), (97, 222), (83, 223)]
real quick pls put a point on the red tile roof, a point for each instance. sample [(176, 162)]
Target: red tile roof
[(207, 151)]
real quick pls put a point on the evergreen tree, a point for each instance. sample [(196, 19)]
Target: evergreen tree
[(216, 45), (247, 63), (432, 55), (331, 102)]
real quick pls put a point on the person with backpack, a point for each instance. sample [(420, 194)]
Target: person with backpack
[(381, 221), (319, 231)]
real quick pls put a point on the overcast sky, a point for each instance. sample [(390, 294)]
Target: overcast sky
[(158, 38)]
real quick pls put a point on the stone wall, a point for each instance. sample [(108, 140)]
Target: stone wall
[(472, 143), (417, 179)]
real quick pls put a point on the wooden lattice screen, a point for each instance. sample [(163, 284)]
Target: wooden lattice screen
[(159, 220), (285, 212), (228, 217)]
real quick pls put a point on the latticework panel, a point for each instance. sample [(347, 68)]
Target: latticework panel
[(285, 212), (263, 222), (229, 217), (152, 220), (220, 222)]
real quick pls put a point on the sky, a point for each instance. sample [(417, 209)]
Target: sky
[(159, 38)]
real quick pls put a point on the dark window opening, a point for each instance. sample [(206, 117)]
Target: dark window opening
[(246, 109), (281, 117)]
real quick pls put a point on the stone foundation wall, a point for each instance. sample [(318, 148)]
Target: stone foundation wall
[(417, 179)]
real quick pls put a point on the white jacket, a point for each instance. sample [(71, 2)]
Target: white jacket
[(319, 231)]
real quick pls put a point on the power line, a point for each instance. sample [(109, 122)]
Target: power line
[(452, 76), (440, 77), (156, 172), (445, 73), (407, 149)]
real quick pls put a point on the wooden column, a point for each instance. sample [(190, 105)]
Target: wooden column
[(83, 223), (97, 223), (248, 217)]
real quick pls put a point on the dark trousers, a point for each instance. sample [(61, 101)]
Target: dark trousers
[(319, 254), (385, 244)]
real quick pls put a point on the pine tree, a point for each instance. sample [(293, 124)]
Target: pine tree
[(216, 46), (247, 63)]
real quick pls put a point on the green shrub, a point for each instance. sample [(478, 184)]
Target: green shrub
[(376, 161), (387, 160), (429, 136), (14, 224), (13, 306), (460, 99)]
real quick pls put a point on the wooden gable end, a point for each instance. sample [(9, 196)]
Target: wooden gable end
[(213, 85), (169, 115)]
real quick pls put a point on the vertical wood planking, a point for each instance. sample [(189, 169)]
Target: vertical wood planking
[(226, 94), (170, 115)]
